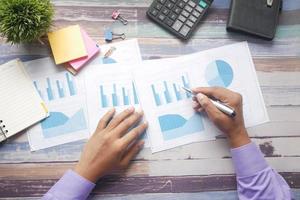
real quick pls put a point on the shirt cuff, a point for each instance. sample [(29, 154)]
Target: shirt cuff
[(72, 186), (248, 160)]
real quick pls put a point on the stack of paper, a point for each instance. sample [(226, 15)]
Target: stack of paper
[(72, 47)]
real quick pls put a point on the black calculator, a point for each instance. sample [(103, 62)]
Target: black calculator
[(180, 17)]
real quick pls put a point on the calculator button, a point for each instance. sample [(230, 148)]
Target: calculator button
[(165, 11), (192, 18), (185, 30), (162, 1), (169, 22), (154, 12), (188, 8), (177, 10), (158, 6), (169, 5), (196, 13), (173, 16), (173, 1), (177, 25), (184, 13), (181, 4), (182, 18), (189, 23), (185, 1), (193, 4), (161, 17), (199, 9), (202, 3)]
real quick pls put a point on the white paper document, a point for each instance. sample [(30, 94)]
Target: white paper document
[(172, 121), (65, 96)]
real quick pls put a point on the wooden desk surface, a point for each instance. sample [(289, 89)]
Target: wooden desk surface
[(196, 171)]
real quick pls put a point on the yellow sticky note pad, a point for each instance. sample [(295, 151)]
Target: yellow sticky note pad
[(67, 44)]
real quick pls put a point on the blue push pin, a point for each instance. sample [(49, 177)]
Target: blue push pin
[(109, 35)]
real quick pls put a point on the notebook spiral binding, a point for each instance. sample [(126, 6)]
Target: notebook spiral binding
[(3, 131)]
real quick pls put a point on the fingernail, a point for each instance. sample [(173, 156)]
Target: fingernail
[(139, 110), (200, 97), (200, 110), (111, 110), (146, 123), (195, 104), (131, 109)]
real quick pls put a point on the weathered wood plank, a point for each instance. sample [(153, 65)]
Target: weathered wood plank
[(126, 185), (159, 167)]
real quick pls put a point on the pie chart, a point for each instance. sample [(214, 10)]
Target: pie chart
[(219, 73)]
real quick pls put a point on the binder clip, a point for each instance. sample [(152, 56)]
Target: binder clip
[(117, 16), (109, 36)]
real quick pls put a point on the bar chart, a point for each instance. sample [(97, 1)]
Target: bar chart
[(168, 92), (116, 95), (56, 87)]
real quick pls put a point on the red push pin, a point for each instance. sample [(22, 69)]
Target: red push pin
[(116, 16)]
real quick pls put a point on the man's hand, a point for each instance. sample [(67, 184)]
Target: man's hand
[(113, 145), (234, 128)]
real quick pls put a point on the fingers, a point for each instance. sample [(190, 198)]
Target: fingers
[(120, 117), (219, 93), (105, 119), (134, 134), (128, 123), (131, 153), (212, 111)]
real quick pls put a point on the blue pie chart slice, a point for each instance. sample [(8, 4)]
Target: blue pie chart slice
[(219, 73)]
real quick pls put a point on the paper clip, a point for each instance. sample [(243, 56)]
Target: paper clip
[(117, 16), (109, 36), (110, 52)]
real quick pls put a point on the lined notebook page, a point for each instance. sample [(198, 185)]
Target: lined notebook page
[(20, 104)]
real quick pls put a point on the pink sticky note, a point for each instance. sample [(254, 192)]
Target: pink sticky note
[(92, 49)]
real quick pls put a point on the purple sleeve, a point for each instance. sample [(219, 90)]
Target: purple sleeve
[(70, 186), (255, 178)]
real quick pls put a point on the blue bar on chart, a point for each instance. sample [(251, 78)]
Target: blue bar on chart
[(126, 100), (71, 85), (103, 97), (114, 96), (135, 96), (37, 89), (156, 96), (49, 90), (167, 93), (177, 92), (187, 85), (60, 90)]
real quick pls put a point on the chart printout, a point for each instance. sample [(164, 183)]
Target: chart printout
[(65, 95), (168, 108)]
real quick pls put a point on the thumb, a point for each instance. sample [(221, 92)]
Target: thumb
[(211, 110)]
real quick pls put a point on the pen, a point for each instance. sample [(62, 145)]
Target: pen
[(221, 106)]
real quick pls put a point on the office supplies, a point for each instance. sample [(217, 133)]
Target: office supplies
[(221, 106), (67, 44), (20, 105), (92, 49), (255, 17), (117, 16), (180, 17), (109, 35), (126, 51), (65, 95), (167, 108), (109, 52)]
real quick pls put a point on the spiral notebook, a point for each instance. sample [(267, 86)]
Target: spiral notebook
[(20, 104)]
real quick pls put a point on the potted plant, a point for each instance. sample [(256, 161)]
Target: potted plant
[(24, 21)]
